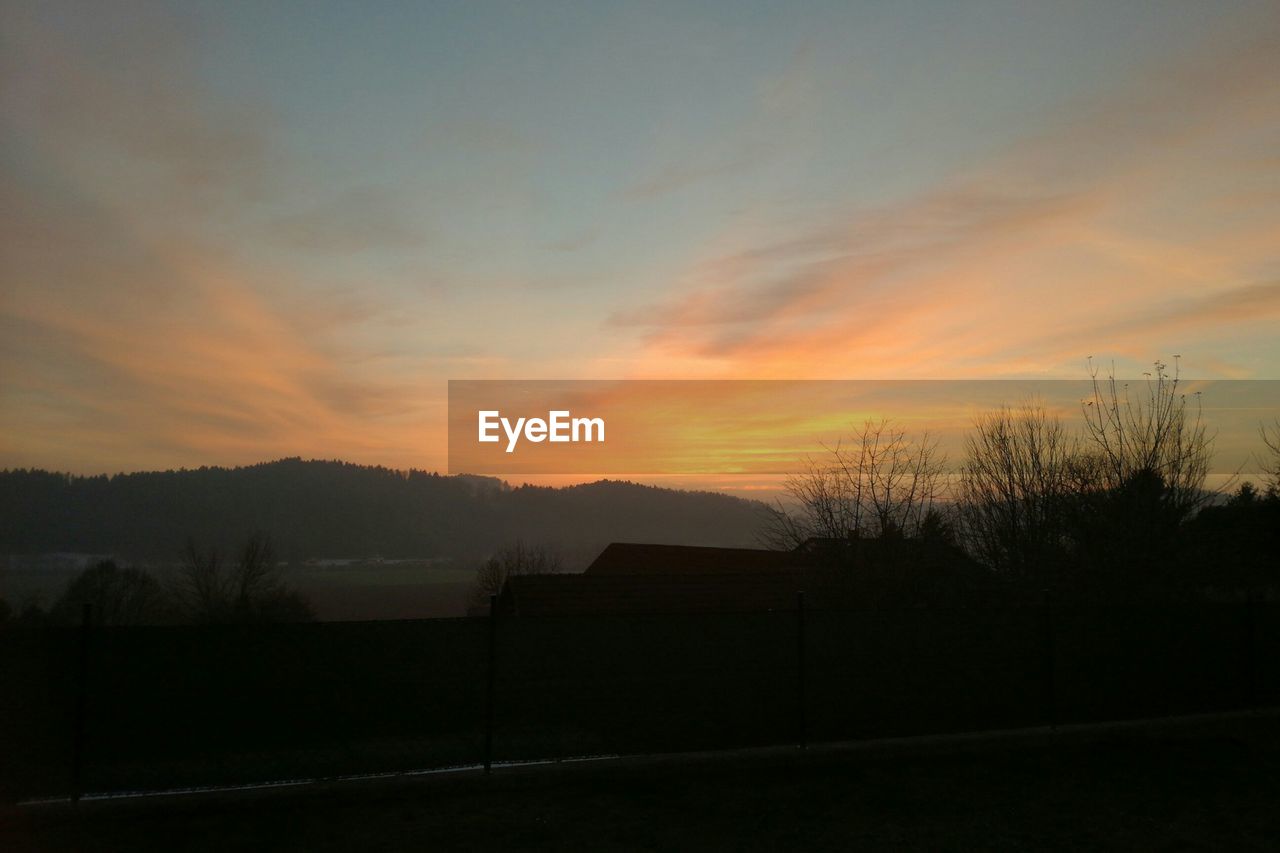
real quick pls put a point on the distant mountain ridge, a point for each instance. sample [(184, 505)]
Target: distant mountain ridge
[(320, 508)]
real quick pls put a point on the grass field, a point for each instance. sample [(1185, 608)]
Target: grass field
[(1200, 785), (338, 590)]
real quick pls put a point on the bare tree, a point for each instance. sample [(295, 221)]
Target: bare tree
[(250, 590), (255, 575), (510, 561), (1149, 436), (881, 483), (1145, 461), (199, 586), (1020, 470), (1271, 461)]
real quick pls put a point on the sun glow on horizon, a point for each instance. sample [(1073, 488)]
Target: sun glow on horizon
[(220, 246)]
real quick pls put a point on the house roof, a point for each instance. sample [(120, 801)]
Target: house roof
[(632, 578), (570, 595), (627, 558)]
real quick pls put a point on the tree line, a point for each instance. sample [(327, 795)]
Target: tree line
[(334, 509), (207, 588), (1115, 506)]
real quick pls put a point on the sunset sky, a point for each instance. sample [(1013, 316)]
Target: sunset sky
[(239, 231)]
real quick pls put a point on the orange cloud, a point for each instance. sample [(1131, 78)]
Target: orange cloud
[(144, 353), (1103, 235), (139, 329)]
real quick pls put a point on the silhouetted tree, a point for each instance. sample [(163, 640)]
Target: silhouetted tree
[(118, 596), (1020, 472), (1271, 457), (249, 590), (937, 529), (882, 483), (1236, 544), (1146, 458), (510, 561), (1148, 437)]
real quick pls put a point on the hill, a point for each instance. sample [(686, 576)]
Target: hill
[(336, 509)]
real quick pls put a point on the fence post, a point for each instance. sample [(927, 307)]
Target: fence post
[(82, 703), (489, 691), (802, 723), (1049, 660), (1251, 649)]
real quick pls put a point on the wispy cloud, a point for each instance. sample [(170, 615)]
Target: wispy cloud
[(187, 278), (136, 374), (136, 332), (128, 99), (1093, 233)]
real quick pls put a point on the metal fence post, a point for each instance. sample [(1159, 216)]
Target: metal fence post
[(489, 691), (82, 703), (1049, 660), (1251, 650), (801, 721)]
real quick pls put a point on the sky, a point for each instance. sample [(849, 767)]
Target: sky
[(234, 232)]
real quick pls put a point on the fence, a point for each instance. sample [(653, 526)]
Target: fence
[(105, 709)]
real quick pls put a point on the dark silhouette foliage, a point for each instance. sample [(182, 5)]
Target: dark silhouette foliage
[(117, 596), (1271, 455), (1115, 510), (516, 559), (1235, 546), (1022, 469), (881, 482), (213, 591)]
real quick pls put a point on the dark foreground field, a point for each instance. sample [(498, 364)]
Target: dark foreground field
[(1173, 785)]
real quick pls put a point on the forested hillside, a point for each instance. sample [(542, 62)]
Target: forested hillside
[(334, 509)]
